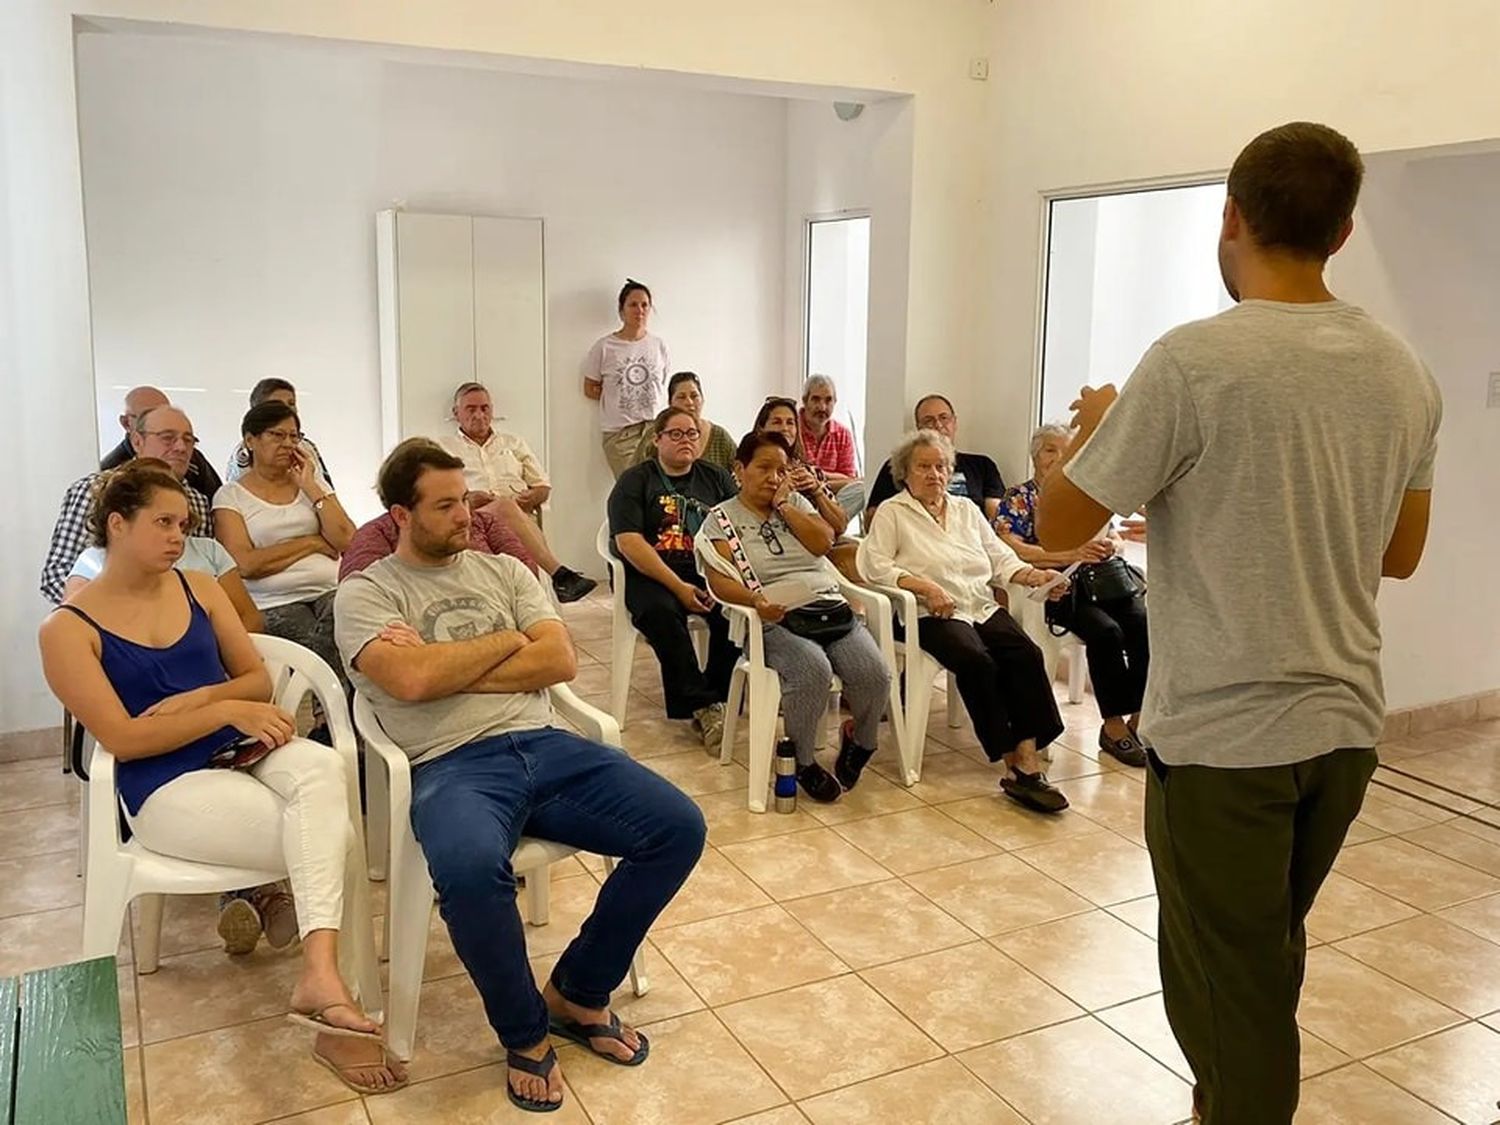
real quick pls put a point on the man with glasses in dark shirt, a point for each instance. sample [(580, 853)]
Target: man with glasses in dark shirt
[(974, 475), (654, 511), (200, 474)]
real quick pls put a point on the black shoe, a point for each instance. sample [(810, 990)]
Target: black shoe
[(570, 585), (852, 758), (818, 783), (1034, 791), (1127, 750)]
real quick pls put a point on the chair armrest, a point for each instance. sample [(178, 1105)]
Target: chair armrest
[(875, 605), (374, 740), (595, 723), (750, 622), (903, 604)]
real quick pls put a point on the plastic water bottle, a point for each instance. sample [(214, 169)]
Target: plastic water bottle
[(786, 776)]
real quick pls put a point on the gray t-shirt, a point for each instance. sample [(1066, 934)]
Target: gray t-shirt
[(1270, 447), (473, 595), (760, 540)]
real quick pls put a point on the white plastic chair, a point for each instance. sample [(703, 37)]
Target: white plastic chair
[(921, 671), (757, 684), (623, 633), (411, 895), (1032, 617), (118, 872)]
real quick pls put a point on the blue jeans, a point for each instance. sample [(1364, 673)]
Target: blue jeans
[(469, 809)]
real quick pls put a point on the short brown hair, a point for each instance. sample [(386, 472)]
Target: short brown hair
[(126, 491), (1296, 186), (659, 426), (404, 466)]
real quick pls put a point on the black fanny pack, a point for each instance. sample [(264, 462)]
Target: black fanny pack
[(821, 622), (1113, 580)]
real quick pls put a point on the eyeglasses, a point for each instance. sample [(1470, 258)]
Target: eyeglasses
[(779, 400), (769, 537), (286, 437), (170, 438), (933, 421), (680, 435)]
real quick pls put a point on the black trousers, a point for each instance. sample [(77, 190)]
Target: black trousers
[(1114, 638), (1001, 677), (664, 623)]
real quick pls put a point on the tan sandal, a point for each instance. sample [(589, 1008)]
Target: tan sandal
[(343, 1074), (318, 1021)]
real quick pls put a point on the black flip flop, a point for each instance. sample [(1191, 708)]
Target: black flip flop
[(541, 1068), (581, 1033)]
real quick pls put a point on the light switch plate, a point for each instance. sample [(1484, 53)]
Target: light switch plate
[(1493, 400)]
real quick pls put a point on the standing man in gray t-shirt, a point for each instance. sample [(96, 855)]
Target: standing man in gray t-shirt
[(1283, 454), (456, 651)]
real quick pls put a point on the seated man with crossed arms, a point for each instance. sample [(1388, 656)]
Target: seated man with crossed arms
[(456, 650)]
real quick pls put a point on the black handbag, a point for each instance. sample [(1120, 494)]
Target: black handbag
[(1101, 583), (821, 622)]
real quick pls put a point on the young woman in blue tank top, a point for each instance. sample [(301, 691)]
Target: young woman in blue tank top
[(156, 664)]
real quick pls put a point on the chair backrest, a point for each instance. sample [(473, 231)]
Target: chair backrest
[(296, 671)]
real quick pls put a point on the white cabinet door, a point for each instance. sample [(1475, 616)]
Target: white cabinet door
[(461, 298), (509, 323)]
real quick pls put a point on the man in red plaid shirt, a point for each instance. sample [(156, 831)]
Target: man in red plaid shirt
[(825, 443)]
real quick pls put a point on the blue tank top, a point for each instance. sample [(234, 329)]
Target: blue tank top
[(143, 676)]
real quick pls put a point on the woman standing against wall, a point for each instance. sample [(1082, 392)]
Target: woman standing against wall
[(626, 373)]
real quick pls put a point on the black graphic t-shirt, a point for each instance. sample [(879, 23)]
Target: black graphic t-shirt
[(668, 510)]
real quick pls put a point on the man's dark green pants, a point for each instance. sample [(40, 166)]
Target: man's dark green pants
[(1239, 855)]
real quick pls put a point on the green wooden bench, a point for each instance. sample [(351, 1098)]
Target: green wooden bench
[(61, 1062)]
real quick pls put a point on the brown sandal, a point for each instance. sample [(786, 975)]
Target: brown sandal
[(344, 1071), (317, 1021)]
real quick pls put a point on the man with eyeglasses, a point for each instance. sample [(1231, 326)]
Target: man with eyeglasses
[(138, 400), (162, 432), (654, 511), (975, 476)]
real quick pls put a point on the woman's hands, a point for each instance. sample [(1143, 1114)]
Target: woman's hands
[(1095, 550), (769, 611), (934, 597), (1034, 577), (265, 722), (803, 479), (305, 473), (179, 703)]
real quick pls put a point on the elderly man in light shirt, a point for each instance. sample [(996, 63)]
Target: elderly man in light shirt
[(506, 479)]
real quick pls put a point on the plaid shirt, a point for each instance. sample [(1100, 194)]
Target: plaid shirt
[(70, 536), (833, 452)]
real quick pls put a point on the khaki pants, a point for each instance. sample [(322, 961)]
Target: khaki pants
[(621, 447), (1239, 856)]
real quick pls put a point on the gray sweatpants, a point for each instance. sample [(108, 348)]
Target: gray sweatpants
[(806, 670)]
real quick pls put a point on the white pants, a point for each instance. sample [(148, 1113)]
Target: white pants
[(290, 810)]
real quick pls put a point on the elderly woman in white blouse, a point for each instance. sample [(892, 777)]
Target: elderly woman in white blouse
[(949, 557)]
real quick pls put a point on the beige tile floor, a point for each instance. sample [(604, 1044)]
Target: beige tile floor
[(916, 955)]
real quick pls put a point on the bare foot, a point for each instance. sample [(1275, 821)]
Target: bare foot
[(1025, 758), (533, 1086), (361, 1062), (330, 996), (604, 1044), (1117, 728)]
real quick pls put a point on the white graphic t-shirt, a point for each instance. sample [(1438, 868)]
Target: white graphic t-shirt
[(634, 374)]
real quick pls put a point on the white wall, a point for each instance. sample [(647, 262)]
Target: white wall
[(861, 165), (230, 192), (1427, 262), (1091, 95)]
